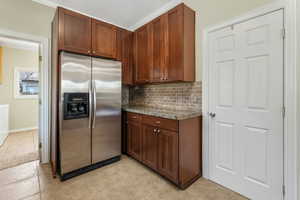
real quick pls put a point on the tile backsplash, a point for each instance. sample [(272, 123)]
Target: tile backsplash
[(179, 96), (125, 95)]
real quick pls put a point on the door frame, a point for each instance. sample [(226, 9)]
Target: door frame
[(290, 182), (44, 97)]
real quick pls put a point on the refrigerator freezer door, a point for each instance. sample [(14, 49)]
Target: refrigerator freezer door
[(106, 131), (75, 134)]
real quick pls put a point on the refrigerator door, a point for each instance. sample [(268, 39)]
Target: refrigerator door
[(106, 128), (75, 134)]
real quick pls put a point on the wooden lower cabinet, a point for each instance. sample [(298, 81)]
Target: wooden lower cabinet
[(168, 154), (170, 147), (149, 145), (134, 139)]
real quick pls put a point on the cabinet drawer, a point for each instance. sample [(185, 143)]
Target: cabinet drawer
[(133, 117), (167, 124)]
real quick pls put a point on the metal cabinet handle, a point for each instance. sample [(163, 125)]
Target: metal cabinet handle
[(158, 131), (95, 103), (90, 104), (157, 122)]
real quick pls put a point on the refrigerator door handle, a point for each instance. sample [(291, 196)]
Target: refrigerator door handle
[(90, 105), (94, 103)]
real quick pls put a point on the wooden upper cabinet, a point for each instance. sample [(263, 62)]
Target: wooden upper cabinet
[(104, 39), (160, 48), (165, 48), (127, 58), (74, 32), (143, 54), (181, 37), (125, 54), (161, 51), (119, 43), (175, 24), (84, 35)]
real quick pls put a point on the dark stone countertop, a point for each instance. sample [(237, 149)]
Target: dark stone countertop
[(163, 113)]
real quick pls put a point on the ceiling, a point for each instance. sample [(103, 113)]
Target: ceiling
[(129, 14)]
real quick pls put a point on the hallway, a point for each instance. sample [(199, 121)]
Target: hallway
[(19, 148)]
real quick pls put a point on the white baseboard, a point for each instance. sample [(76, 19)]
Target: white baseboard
[(3, 136), (23, 129)]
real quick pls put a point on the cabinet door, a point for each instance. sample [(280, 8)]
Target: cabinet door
[(134, 138), (127, 58), (149, 145), (120, 38), (143, 54), (104, 38), (125, 54), (168, 154), (174, 70), (74, 32), (160, 48)]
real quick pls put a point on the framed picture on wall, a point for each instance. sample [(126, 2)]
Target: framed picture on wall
[(26, 83)]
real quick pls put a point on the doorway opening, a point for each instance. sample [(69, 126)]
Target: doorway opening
[(44, 88), (19, 101)]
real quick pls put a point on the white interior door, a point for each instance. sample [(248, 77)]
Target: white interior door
[(246, 102)]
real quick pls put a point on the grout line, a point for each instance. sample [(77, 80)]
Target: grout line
[(31, 195)]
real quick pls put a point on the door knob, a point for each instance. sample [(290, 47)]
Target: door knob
[(212, 115)]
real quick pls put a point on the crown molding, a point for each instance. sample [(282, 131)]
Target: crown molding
[(47, 3), (140, 23), (55, 5), (155, 14)]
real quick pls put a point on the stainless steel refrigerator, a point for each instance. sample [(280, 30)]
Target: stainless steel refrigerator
[(89, 112)]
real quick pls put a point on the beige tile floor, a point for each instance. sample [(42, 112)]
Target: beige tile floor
[(19, 148), (124, 180)]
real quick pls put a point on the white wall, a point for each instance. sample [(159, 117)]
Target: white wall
[(23, 113), (26, 16), (298, 91), (210, 12)]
